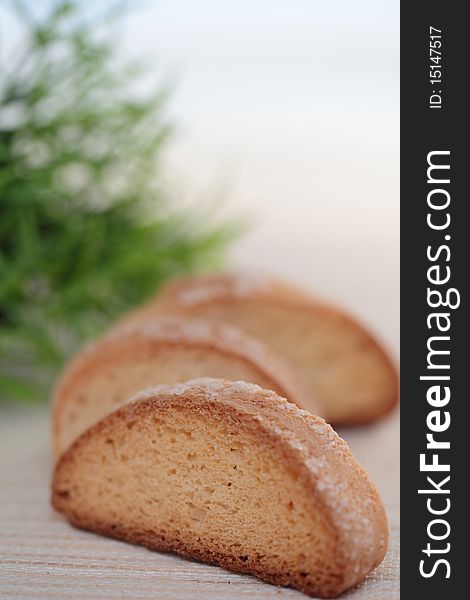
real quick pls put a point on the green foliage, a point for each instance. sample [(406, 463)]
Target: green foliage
[(86, 227)]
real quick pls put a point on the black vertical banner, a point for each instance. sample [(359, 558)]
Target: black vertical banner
[(435, 270)]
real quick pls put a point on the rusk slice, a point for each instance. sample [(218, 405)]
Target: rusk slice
[(167, 350), (230, 474), (347, 373)]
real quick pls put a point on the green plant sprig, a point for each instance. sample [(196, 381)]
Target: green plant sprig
[(86, 227)]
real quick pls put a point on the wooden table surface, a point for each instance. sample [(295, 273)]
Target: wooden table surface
[(41, 556)]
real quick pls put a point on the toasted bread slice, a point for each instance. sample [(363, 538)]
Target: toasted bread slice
[(167, 350), (230, 474), (347, 373)]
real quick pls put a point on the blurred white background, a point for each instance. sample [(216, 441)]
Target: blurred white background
[(289, 112)]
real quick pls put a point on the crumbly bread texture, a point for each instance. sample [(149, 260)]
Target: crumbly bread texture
[(230, 474), (346, 372), (165, 350)]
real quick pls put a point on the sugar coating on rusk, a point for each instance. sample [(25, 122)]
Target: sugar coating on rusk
[(166, 350), (349, 377), (230, 474)]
